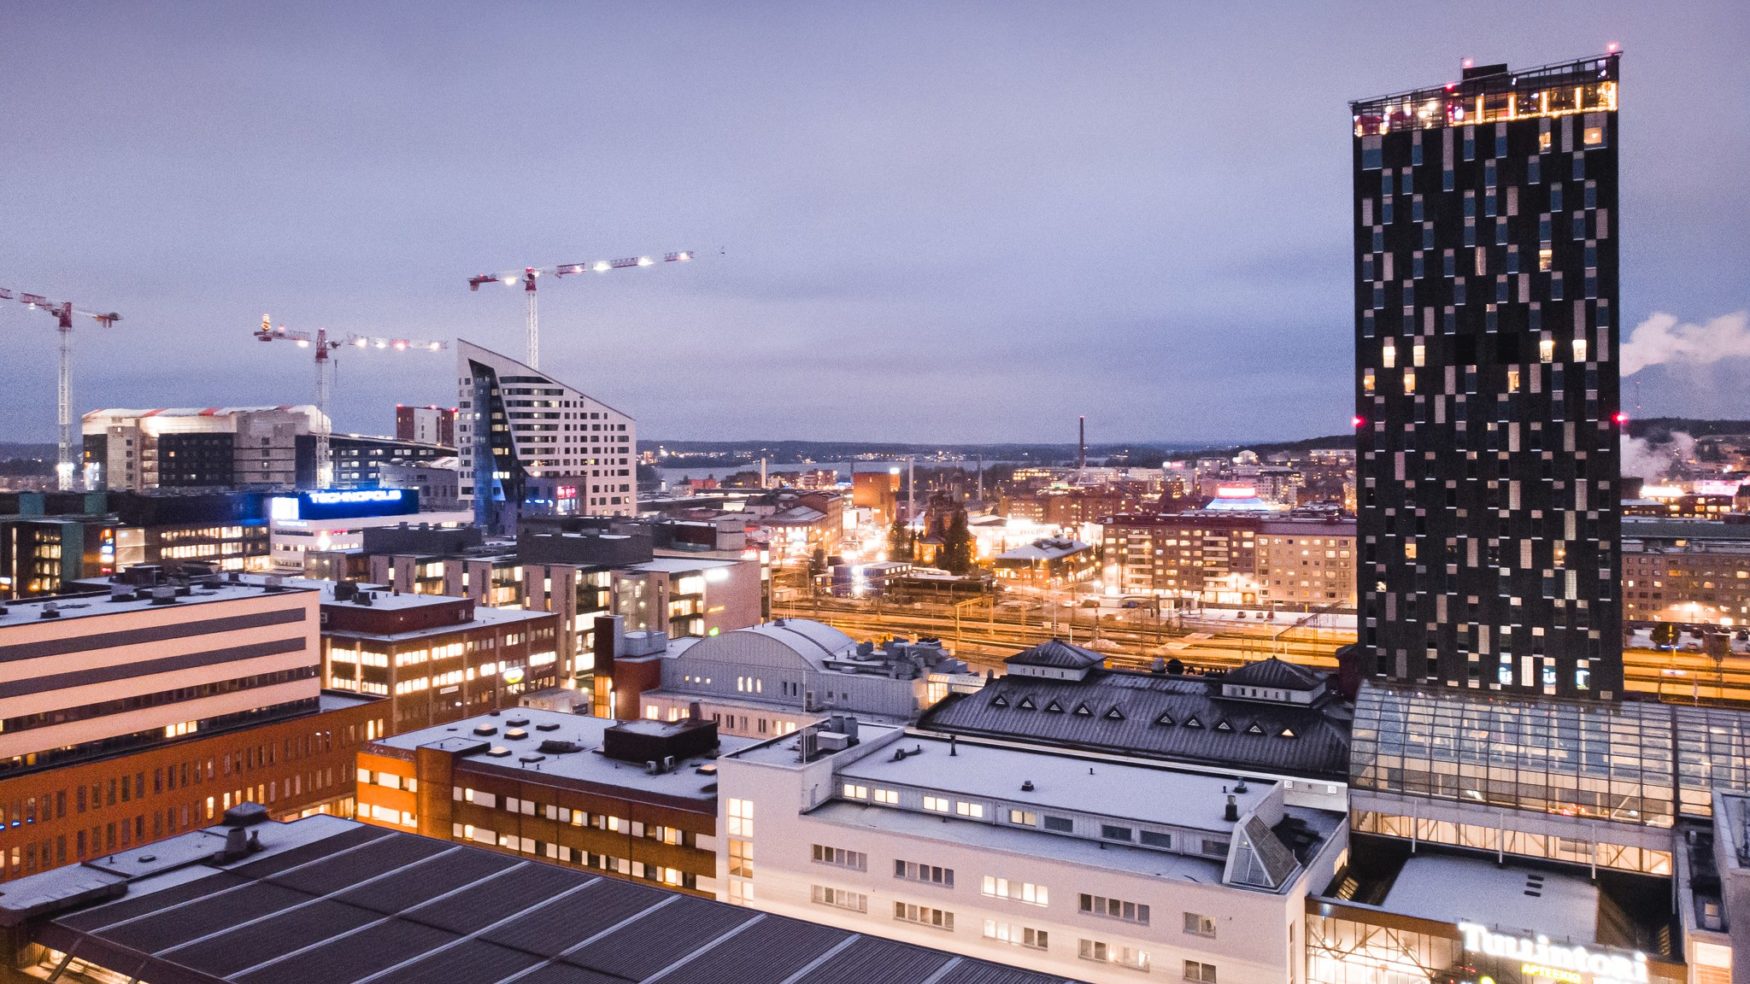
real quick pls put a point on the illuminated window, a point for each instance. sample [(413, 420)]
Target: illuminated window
[(740, 818)]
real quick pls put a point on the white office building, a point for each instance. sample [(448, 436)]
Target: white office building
[(1073, 865), (524, 436)]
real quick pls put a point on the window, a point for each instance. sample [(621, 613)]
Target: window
[(1036, 939), (1197, 924), (1061, 825), (936, 804), (973, 810), (1024, 818), (853, 791), (839, 898), (1102, 952), (1096, 905), (923, 915), (1028, 892), (1115, 833), (839, 857), (886, 797), (740, 859), (928, 874), (740, 818), (1156, 838), (1201, 973)]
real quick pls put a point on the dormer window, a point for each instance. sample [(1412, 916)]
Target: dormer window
[(1166, 719), (1082, 711), (1288, 733), (1113, 714), (1223, 726), (1026, 704), (1192, 722), (999, 701), (1054, 708), (1253, 729)]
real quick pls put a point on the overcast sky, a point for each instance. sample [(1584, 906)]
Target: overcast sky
[(931, 221)]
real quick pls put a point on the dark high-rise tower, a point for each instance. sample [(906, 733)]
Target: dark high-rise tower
[(1486, 396)]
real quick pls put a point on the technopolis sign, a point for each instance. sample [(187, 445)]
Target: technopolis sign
[(1552, 961)]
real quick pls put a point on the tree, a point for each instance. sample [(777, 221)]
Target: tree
[(899, 540), (956, 557)]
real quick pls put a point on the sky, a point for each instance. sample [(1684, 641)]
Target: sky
[(953, 222)]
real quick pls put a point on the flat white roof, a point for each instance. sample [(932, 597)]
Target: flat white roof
[(29, 612), (1530, 901), (588, 765), (1144, 793)]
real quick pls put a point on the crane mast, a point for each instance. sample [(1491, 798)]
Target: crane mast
[(325, 346), (66, 471)]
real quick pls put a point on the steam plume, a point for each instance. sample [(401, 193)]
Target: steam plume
[(1661, 339)]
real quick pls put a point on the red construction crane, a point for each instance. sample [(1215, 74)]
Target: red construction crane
[(324, 374), (527, 276), (63, 311)]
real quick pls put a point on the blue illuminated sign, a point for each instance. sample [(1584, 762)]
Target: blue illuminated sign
[(347, 504)]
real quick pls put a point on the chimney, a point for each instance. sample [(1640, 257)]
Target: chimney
[(953, 744), (1081, 442), (1232, 813)]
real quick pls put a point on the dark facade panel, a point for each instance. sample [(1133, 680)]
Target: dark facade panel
[(1486, 393)]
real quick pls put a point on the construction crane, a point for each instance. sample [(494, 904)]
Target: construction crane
[(324, 347), (63, 312), (528, 276)]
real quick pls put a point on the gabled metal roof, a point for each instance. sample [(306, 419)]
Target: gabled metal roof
[(1178, 718)]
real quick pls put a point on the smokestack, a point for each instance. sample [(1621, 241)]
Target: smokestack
[(981, 478), (1081, 443), (762, 473), (911, 507)]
